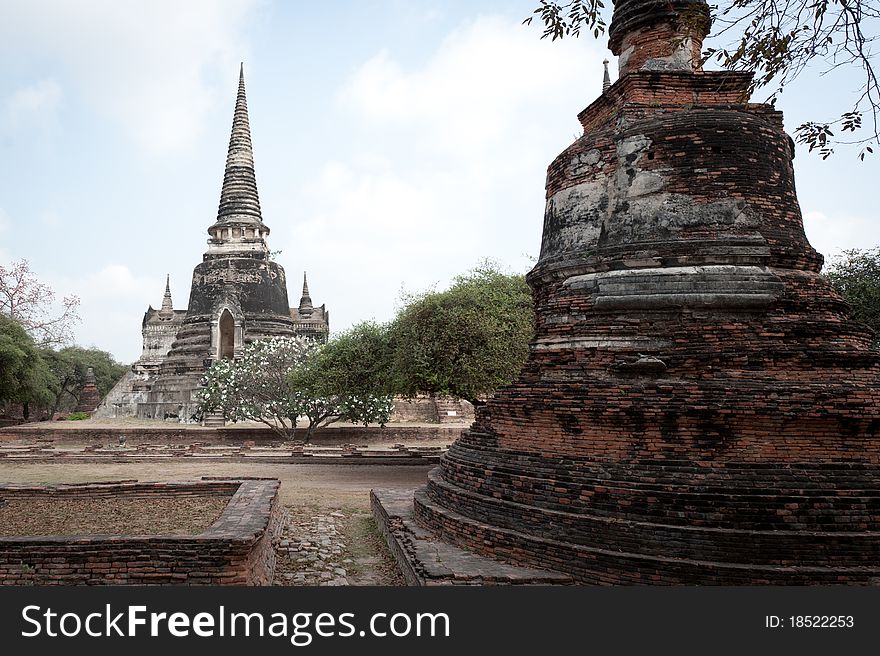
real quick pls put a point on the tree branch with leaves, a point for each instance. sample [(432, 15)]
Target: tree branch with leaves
[(777, 40)]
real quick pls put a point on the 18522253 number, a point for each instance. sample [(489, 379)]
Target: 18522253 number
[(821, 621)]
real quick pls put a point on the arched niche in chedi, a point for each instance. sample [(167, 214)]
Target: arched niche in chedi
[(226, 335), (698, 405)]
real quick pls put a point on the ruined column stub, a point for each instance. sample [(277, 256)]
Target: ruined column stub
[(89, 398), (658, 34), (698, 405)]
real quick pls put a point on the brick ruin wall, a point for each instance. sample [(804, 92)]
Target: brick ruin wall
[(237, 549), (753, 342), (425, 409)]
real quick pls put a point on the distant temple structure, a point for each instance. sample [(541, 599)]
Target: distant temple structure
[(310, 321), (238, 295)]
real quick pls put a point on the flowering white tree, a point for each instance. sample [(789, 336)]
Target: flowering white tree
[(256, 387), (279, 380), (30, 302)]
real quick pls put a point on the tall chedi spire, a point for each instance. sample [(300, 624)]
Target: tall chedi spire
[(166, 300), (239, 225)]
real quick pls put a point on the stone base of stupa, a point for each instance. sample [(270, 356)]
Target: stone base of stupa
[(425, 559), (480, 539)]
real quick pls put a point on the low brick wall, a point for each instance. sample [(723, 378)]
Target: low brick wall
[(236, 549), (329, 436), (442, 409)]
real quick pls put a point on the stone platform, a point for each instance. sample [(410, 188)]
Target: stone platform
[(424, 559)]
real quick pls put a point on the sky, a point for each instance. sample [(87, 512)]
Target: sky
[(397, 143)]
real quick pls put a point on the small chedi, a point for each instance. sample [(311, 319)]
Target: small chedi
[(238, 295), (698, 407), (89, 397)]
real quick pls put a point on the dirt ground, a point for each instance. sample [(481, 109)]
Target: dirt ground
[(331, 537), (60, 515)]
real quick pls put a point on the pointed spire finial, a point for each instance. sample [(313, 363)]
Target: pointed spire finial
[(239, 200), (305, 302), (606, 79), (167, 305)]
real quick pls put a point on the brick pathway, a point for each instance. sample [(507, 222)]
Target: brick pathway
[(339, 547)]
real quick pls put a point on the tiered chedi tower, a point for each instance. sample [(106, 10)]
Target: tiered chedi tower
[(238, 293), (698, 406)]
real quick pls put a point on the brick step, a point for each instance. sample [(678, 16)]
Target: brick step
[(213, 420), (652, 476), (603, 563)]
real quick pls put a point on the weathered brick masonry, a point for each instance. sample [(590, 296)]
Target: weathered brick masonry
[(698, 405), (236, 549)]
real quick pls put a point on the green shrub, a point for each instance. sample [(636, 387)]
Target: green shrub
[(78, 416)]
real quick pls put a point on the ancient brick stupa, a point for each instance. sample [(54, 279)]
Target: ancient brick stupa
[(698, 406), (238, 293)]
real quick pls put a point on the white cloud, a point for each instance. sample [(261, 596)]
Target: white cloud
[(31, 107), (448, 167), (41, 96), (112, 301), (835, 233), (145, 65), (484, 76)]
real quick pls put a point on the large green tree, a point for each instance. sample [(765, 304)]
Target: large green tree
[(69, 366), (856, 275), (342, 381), (465, 341), (359, 360), (24, 375), (778, 40)]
